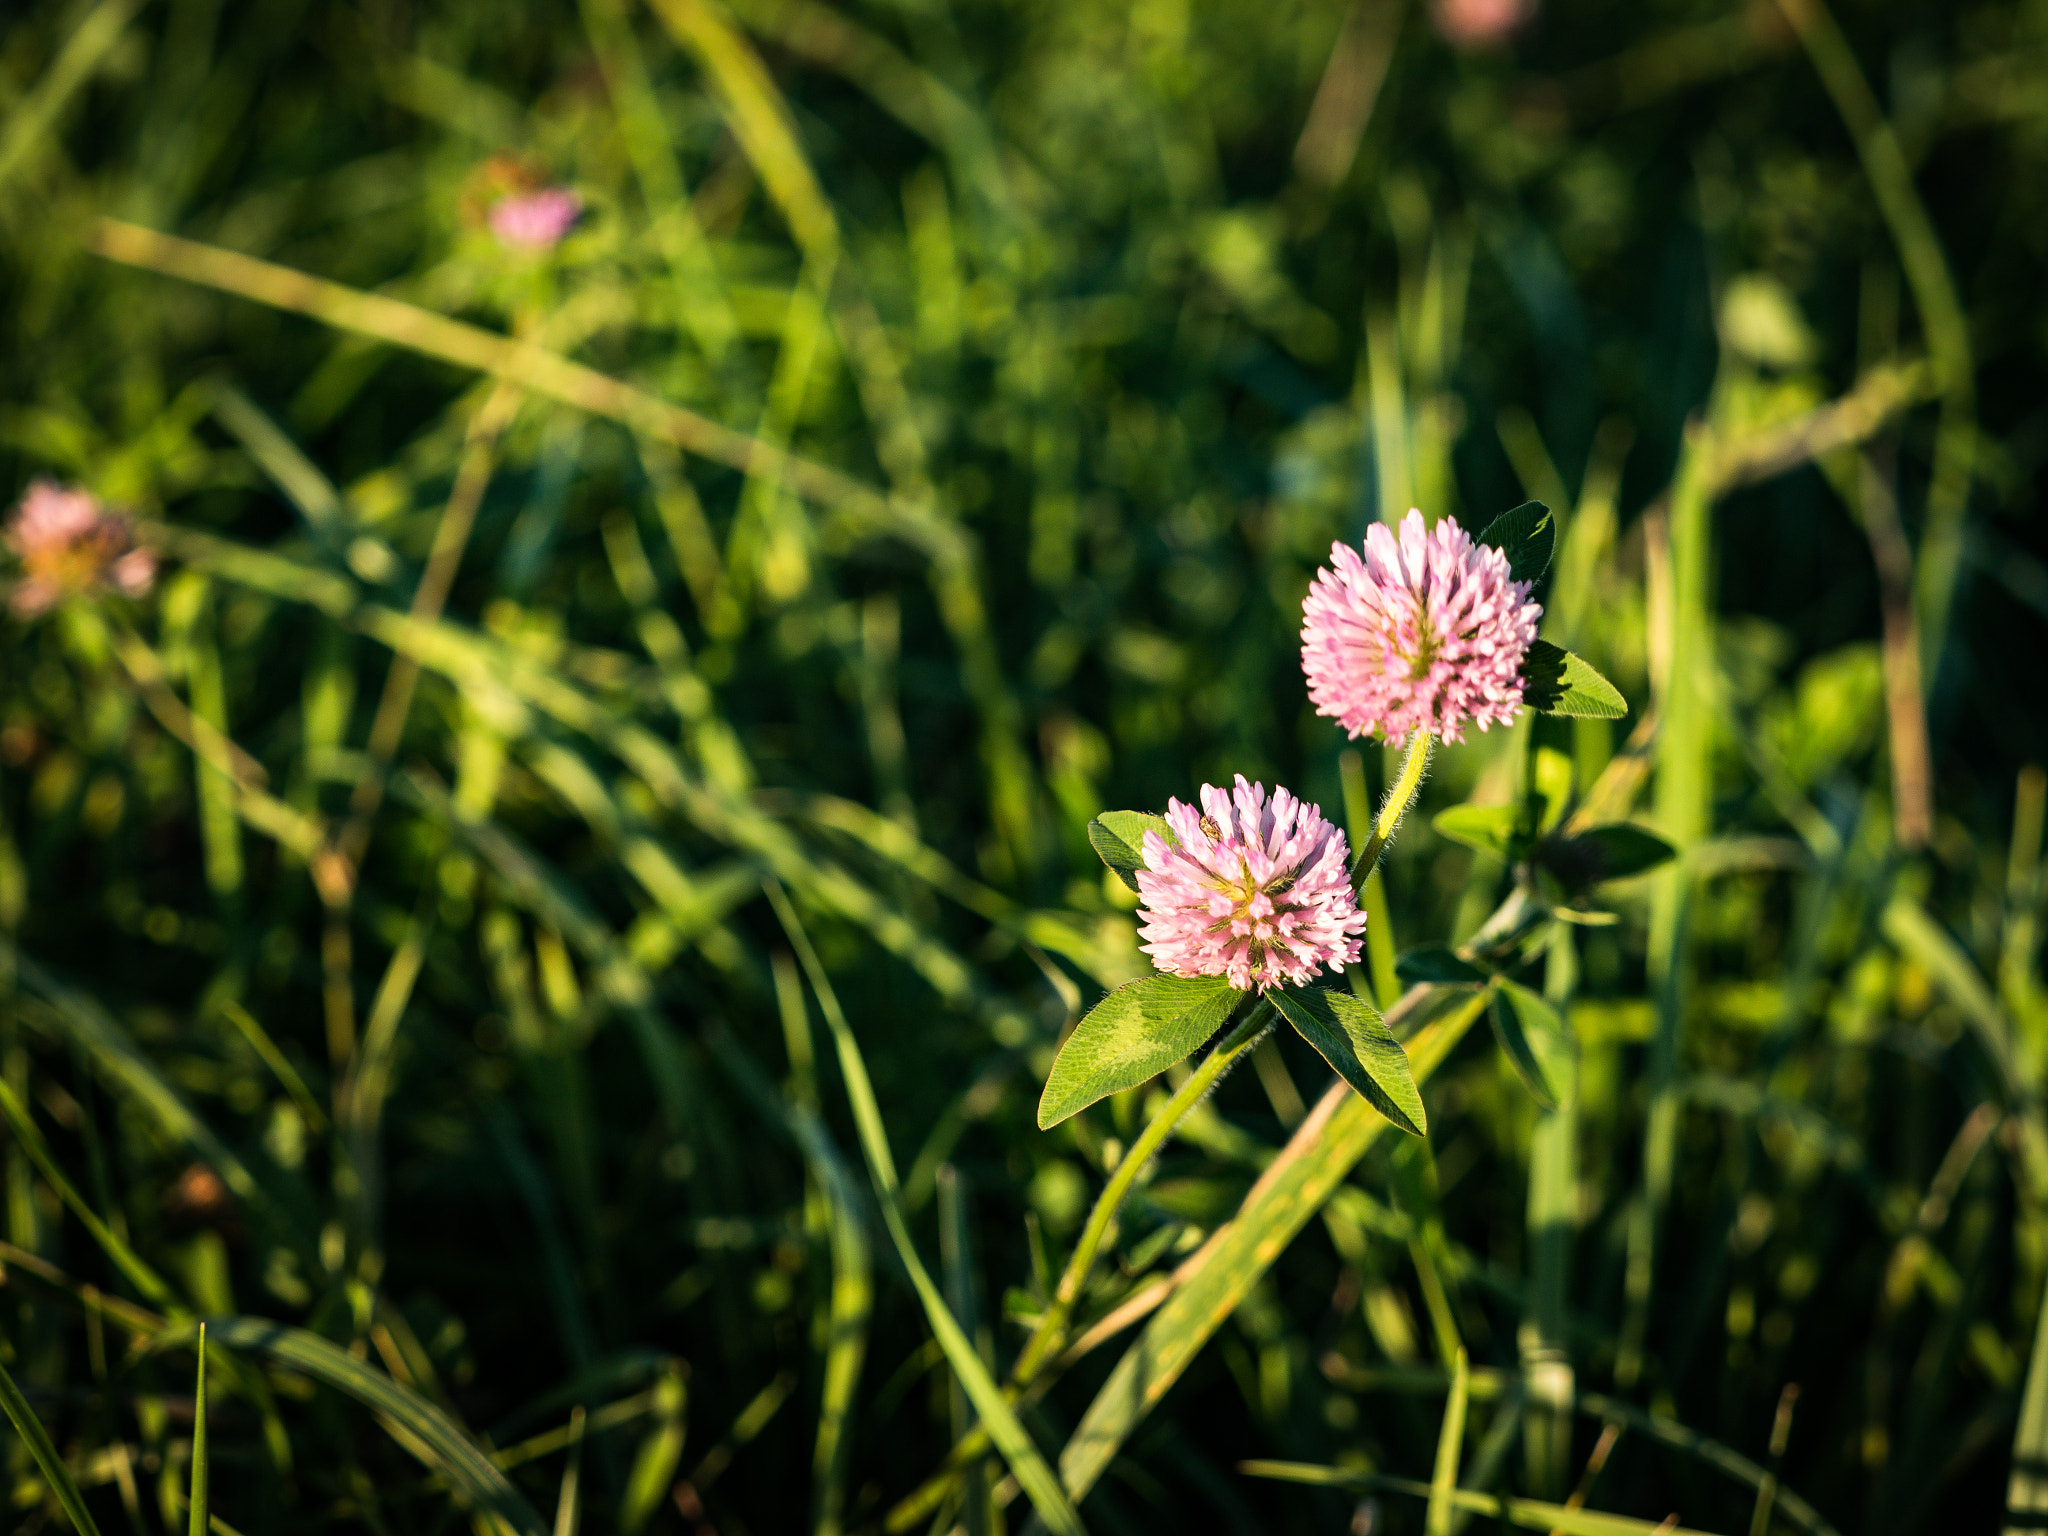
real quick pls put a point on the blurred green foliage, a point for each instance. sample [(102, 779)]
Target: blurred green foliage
[(384, 949)]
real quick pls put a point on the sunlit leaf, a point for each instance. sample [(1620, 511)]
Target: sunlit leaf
[(1529, 1031), (1118, 838), (1132, 1035), (1353, 1039), (1559, 683)]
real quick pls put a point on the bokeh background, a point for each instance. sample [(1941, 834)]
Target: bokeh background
[(416, 911)]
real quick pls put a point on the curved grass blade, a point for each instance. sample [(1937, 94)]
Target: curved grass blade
[(414, 1422), (146, 1280), (54, 1471), (1005, 1429), (1323, 1150)]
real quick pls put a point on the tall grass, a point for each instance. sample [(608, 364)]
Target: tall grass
[(546, 927)]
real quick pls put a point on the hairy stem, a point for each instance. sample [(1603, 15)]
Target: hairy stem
[(1051, 1331), (1400, 796)]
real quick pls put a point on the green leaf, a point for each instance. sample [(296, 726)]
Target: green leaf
[(1118, 838), (1530, 1031), (1437, 964), (1559, 683), (1612, 852), (1132, 1035), (1356, 1041), (55, 1473), (1488, 828), (1526, 535)]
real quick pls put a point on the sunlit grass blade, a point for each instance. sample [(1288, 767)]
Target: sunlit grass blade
[(197, 1499)]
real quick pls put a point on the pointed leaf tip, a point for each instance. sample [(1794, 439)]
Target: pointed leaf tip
[(1357, 1043), (1559, 683)]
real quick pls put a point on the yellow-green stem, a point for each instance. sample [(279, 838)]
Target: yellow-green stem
[(1399, 798), (1051, 1331)]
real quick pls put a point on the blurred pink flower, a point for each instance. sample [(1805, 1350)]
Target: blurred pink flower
[(1425, 632), (68, 543), (1256, 890), (535, 221), (1480, 23)]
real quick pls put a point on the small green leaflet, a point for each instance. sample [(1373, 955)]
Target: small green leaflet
[(1526, 535), (1354, 1040), (1531, 1033), (1118, 838), (1134, 1034), (1559, 683), (1488, 828)]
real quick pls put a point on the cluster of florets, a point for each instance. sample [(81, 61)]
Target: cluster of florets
[(1422, 632), (1254, 889), (68, 543)]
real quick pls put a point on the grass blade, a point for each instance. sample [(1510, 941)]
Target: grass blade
[(54, 1471), (198, 1497), (1008, 1433), (1443, 1481), (1530, 1514), (419, 1426)]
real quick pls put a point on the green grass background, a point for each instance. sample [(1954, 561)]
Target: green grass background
[(969, 391)]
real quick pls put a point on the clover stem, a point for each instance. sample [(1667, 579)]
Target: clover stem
[(1400, 796), (1051, 1331)]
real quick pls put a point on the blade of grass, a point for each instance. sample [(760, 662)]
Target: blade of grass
[(197, 1500), (82, 53), (1450, 1443), (1025, 1461), (1530, 1514), (126, 1259), (417, 1424), (55, 1473)]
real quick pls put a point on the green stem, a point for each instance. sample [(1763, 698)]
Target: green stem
[(1399, 798), (1051, 1331)]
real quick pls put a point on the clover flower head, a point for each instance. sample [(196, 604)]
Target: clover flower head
[(68, 543), (1254, 889), (536, 220), (1423, 631)]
